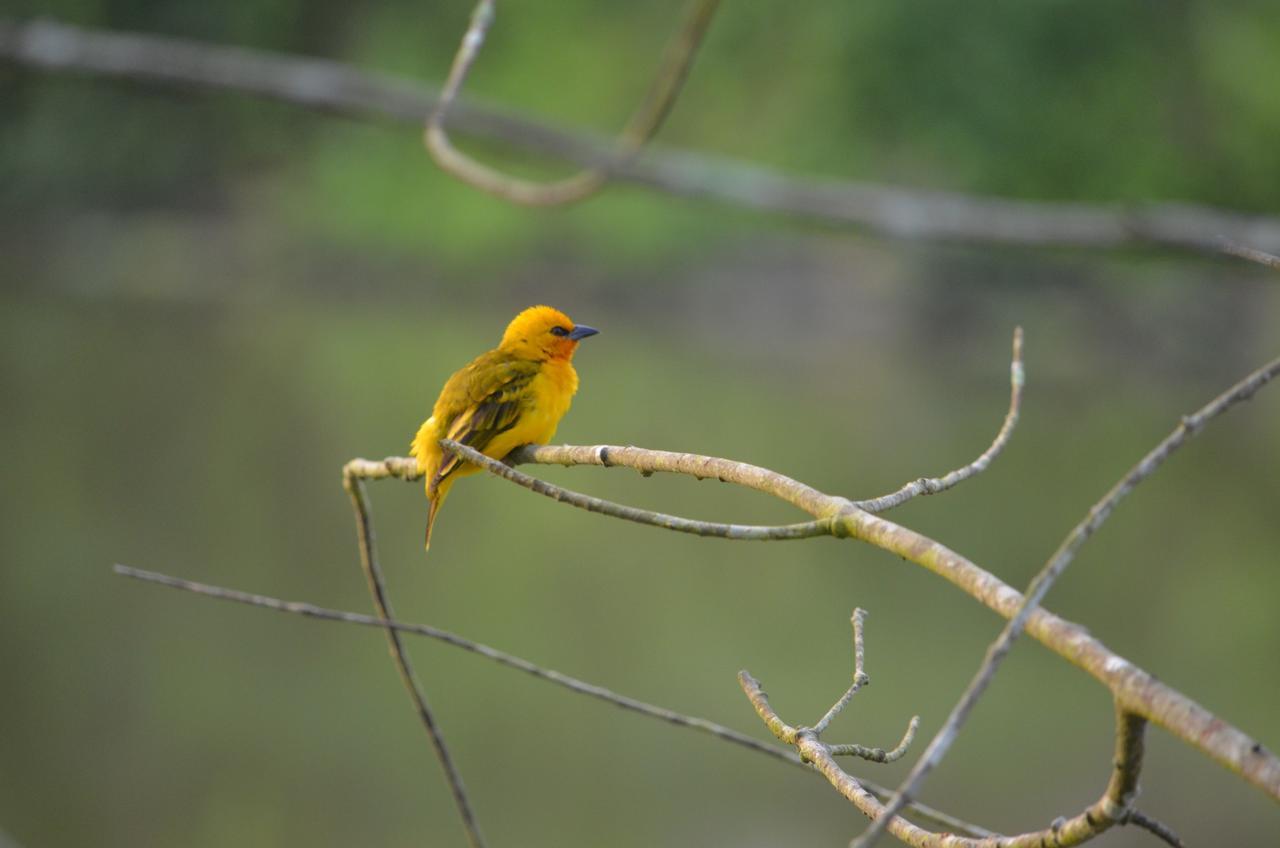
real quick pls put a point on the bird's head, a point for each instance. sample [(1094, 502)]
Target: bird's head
[(541, 332)]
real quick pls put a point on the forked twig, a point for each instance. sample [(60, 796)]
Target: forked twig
[(1040, 585), (641, 127), (1113, 808)]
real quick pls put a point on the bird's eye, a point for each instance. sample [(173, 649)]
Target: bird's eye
[(559, 331)]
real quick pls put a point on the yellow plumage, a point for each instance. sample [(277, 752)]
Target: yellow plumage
[(513, 395)]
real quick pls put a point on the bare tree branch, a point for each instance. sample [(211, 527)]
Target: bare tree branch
[(885, 210), (1040, 585), (377, 588), (933, 485), (642, 126), (752, 532), (717, 731)]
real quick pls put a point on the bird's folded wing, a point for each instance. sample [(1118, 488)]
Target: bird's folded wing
[(492, 396)]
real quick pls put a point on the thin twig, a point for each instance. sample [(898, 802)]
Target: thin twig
[(888, 210), (642, 126), (510, 660), (573, 684), (1258, 256), (377, 588), (859, 651), (880, 755), (751, 532), (1062, 557), (933, 485), (860, 678), (1161, 830)]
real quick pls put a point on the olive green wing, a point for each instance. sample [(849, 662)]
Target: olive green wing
[(489, 398)]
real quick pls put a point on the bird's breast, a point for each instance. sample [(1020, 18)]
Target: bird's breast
[(551, 393)]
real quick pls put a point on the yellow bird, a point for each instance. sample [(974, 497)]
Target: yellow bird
[(513, 395)]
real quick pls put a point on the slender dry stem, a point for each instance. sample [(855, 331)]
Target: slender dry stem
[(377, 588), (573, 684), (860, 678), (1159, 829), (933, 485), (880, 755), (581, 687)]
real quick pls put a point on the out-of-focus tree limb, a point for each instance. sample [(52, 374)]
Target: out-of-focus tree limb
[(644, 122), (885, 210)]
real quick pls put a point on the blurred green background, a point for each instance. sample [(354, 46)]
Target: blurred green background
[(209, 303)]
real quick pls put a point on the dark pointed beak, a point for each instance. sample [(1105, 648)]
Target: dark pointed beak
[(581, 331)]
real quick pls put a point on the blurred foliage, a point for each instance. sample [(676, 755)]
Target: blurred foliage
[(208, 304)]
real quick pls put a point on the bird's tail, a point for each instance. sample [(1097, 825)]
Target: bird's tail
[(433, 506), (435, 499)]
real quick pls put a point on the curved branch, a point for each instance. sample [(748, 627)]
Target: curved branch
[(934, 485), (1157, 828), (354, 484), (642, 126), (880, 755)]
